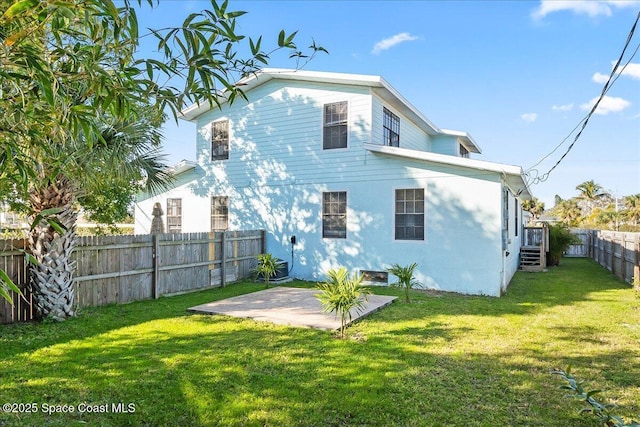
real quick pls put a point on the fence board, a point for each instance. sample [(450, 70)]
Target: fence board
[(121, 269), (618, 252)]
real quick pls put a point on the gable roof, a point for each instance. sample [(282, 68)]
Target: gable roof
[(377, 84)]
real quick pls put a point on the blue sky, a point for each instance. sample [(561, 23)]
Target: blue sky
[(518, 76)]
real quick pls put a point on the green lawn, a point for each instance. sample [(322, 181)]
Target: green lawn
[(441, 360)]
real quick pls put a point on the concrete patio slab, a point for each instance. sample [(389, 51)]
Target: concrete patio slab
[(287, 306)]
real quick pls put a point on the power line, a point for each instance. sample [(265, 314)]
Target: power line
[(613, 77)]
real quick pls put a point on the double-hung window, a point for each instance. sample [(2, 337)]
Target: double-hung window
[(410, 214), (220, 140), (174, 215), (391, 128), (334, 134), (219, 213), (334, 214)]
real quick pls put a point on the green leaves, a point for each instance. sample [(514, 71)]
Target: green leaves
[(405, 278), (267, 267), (6, 285), (341, 294), (601, 411)]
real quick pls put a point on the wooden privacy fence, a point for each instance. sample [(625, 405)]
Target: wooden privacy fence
[(618, 252), (121, 269)]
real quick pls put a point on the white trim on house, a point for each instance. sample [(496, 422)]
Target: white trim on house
[(378, 85), (512, 175)]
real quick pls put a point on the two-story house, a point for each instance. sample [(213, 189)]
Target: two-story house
[(358, 176)]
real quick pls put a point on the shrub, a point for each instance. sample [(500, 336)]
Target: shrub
[(560, 238), (405, 278), (341, 294), (267, 267)]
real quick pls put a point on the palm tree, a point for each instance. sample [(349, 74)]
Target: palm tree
[(129, 154), (568, 212), (591, 194), (342, 294), (534, 206), (632, 209)]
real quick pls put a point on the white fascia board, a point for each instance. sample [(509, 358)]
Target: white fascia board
[(181, 167), (469, 142), (248, 83), (512, 175)]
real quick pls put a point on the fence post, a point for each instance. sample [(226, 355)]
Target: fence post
[(156, 265), (636, 264), (223, 265)]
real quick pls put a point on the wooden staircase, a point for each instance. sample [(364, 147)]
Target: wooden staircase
[(532, 258), (533, 252)]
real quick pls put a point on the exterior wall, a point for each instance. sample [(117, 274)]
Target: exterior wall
[(446, 144), (411, 136), (277, 171), (513, 235)]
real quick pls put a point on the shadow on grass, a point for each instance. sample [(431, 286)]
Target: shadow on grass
[(431, 362), (215, 370)]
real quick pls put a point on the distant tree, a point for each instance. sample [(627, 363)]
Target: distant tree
[(534, 206), (568, 212), (591, 195), (632, 209)]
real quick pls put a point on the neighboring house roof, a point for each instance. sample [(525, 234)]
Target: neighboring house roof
[(377, 84), (512, 175), (181, 167)]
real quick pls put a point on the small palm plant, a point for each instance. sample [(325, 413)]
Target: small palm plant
[(341, 294), (267, 267), (405, 278)]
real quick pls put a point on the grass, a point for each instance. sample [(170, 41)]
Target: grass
[(441, 360)]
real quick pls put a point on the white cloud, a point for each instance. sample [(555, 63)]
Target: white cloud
[(565, 107), (632, 70), (390, 42), (609, 104), (585, 7), (529, 117), (600, 78)]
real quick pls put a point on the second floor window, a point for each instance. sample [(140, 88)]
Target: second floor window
[(174, 215), (391, 128), (334, 133), (220, 140), (219, 213), (464, 152)]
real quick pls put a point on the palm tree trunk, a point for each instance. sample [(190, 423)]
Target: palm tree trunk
[(51, 277)]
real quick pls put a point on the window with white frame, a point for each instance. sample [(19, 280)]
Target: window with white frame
[(219, 213), (390, 128), (334, 214), (220, 140), (409, 218), (334, 134), (174, 215)]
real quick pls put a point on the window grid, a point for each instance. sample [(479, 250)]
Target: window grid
[(410, 214), (334, 214), (391, 128), (174, 215), (335, 125), (220, 140), (219, 213), (464, 152)]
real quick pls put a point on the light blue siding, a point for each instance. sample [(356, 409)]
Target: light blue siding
[(445, 144), (277, 171), (411, 136)]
